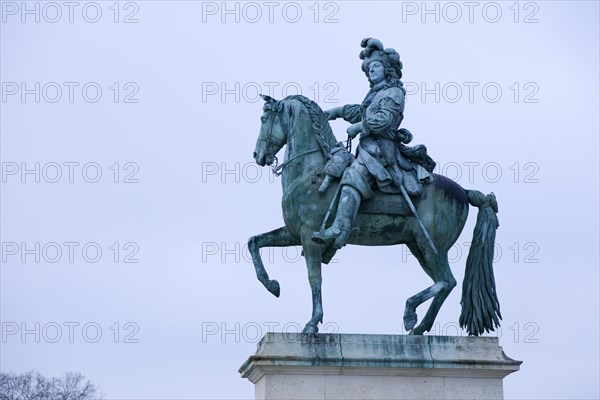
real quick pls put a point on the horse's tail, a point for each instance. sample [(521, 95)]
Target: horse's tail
[(480, 307)]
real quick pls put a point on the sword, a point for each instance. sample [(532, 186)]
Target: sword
[(414, 210)]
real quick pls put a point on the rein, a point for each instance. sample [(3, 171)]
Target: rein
[(278, 169)]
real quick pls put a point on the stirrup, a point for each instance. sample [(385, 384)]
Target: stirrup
[(327, 236)]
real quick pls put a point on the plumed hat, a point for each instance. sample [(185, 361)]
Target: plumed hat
[(374, 51)]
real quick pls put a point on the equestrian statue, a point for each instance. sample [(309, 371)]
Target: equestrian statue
[(384, 194)]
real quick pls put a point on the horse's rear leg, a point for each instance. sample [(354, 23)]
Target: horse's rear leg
[(447, 282), (277, 238), (438, 269)]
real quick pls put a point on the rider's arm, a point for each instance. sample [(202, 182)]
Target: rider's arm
[(383, 117), (352, 113)]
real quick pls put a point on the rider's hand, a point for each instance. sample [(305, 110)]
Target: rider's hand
[(355, 129), (333, 113)]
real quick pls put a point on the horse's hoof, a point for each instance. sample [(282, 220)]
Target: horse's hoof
[(416, 331), (310, 329), (410, 321), (274, 288)]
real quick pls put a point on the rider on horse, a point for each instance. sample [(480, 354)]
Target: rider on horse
[(383, 164), (382, 161)]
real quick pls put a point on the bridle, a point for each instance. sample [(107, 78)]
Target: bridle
[(273, 109), (269, 139)]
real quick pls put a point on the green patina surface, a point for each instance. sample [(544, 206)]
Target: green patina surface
[(384, 194)]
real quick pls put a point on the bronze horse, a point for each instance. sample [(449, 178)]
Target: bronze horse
[(300, 124)]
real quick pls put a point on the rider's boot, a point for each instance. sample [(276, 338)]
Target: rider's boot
[(339, 232)]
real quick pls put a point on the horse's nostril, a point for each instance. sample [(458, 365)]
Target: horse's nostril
[(254, 154)]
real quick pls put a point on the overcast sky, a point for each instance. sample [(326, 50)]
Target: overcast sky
[(129, 189)]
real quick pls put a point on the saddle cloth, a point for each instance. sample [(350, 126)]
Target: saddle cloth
[(383, 203)]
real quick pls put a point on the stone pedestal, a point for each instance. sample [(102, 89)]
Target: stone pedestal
[(339, 366)]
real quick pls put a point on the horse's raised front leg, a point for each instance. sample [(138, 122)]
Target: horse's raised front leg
[(277, 238), (312, 254), (437, 267)]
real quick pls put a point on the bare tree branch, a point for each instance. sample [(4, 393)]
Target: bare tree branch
[(33, 386)]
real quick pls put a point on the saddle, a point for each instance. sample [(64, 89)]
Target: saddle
[(384, 203)]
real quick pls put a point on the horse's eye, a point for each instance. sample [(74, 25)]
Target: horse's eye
[(263, 119)]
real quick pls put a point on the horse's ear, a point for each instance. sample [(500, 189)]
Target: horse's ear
[(267, 98)]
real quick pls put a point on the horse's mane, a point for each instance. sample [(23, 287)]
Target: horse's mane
[(319, 124)]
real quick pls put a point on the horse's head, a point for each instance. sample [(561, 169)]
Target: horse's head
[(272, 135)]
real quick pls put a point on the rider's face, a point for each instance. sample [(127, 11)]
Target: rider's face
[(376, 72)]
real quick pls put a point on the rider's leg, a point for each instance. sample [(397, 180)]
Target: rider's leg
[(340, 230)]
